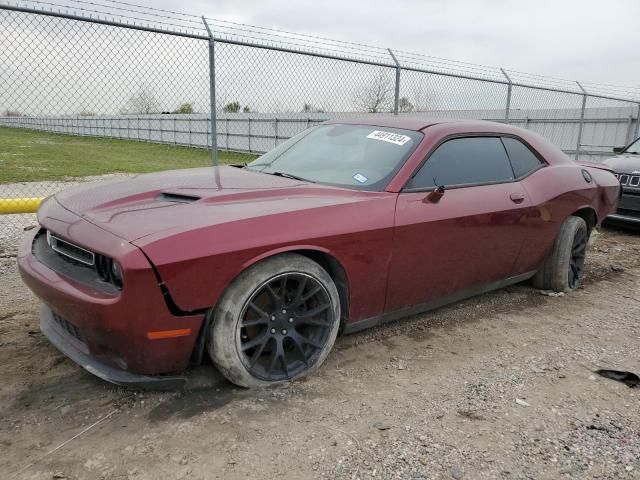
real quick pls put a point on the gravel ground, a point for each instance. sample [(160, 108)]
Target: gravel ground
[(500, 386)]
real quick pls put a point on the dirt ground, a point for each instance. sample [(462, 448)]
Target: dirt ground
[(499, 386)]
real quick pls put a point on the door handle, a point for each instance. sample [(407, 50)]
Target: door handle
[(517, 197)]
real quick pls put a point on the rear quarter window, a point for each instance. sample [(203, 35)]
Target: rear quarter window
[(522, 158)]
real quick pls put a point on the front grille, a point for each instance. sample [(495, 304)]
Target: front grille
[(69, 327), (628, 179), (73, 268), (629, 202), (70, 250)]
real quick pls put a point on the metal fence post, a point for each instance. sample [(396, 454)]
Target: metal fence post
[(396, 98), (584, 106), (275, 133), (629, 127), (212, 95), (507, 108)]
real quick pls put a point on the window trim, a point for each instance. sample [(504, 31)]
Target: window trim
[(541, 159), (499, 136)]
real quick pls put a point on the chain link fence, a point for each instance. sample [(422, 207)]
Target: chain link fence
[(110, 87)]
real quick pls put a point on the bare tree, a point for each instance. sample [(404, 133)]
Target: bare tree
[(308, 108), (404, 105), (144, 101), (231, 107), (419, 99), (184, 108), (377, 95)]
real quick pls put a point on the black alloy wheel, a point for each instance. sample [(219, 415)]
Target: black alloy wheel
[(284, 325)]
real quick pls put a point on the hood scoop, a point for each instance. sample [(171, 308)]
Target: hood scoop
[(177, 197)]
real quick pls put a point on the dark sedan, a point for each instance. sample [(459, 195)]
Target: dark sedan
[(626, 167)]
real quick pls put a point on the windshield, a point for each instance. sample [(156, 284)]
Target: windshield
[(634, 148), (354, 156)]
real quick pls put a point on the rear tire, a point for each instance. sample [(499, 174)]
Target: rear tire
[(276, 322), (562, 270)]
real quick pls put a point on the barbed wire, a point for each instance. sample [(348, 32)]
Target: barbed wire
[(449, 66), (254, 27), (303, 48), (311, 43), (130, 13), (86, 2), (94, 14), (153, 8)]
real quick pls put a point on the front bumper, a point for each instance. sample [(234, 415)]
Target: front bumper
[(108, 332), (628, 206), (62, 341), (619, 218)]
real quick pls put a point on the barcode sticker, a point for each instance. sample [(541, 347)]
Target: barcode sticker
[(390, 137), (358, 177)]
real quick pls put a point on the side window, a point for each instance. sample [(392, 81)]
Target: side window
[(463, 161), (522, 159)]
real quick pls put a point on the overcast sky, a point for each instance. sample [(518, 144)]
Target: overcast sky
[(591, 40)]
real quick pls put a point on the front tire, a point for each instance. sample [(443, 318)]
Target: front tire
[(563, 268), (276, 322)]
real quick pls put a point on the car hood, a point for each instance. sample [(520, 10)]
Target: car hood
[(624, 163), (179, 200)]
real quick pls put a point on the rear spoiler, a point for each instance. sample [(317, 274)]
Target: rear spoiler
[(600, 166)]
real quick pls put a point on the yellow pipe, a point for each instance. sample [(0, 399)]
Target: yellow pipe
[(19, 205)]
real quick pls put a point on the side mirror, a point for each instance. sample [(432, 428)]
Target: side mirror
[(436, 195), (619, 149)]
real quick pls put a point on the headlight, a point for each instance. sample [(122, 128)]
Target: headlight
[(109, 270), (116, 274)]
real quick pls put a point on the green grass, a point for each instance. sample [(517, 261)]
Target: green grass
[(29, 155)]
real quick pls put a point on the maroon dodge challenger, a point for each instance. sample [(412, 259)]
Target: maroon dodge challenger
[(342, 227)]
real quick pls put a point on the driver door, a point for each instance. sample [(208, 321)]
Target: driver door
[(464, 241)]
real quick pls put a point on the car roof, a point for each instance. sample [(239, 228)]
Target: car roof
[(443, 127), (418, 123), (404, 122)]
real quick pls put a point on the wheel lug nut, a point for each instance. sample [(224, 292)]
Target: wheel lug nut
[(273, 330), (284, 312), (284, 332), (273, 318), (291, 320)]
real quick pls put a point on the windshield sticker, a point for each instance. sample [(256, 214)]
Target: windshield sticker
[(358, 177), (394, 138)]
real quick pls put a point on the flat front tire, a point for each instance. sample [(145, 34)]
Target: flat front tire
[(276, 322), (563, 268)]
